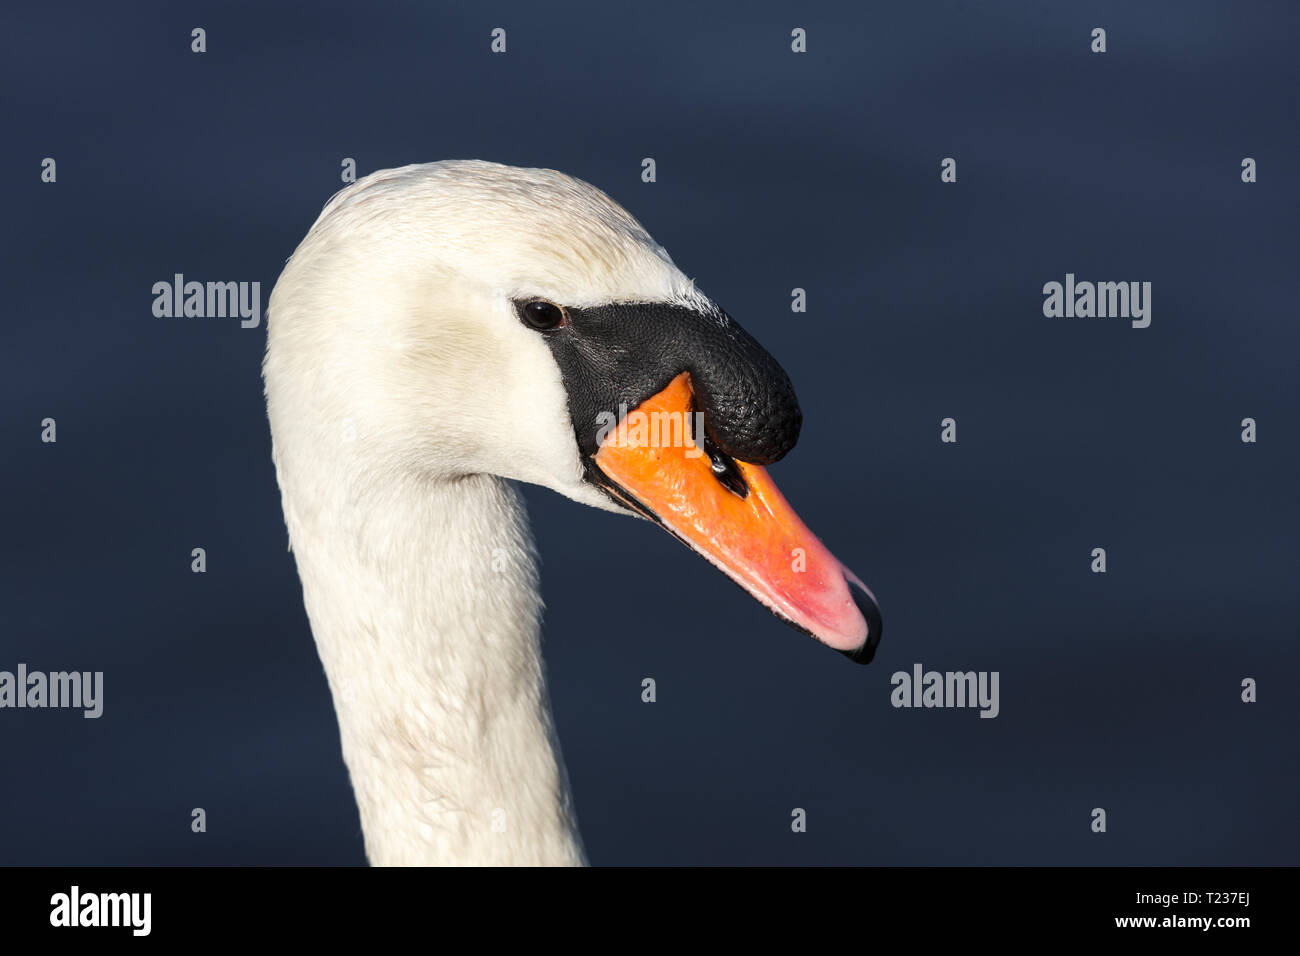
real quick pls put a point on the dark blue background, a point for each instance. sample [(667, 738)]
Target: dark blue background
[(775, 170)]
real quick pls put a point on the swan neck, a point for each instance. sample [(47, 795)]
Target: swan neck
[(423, 602)]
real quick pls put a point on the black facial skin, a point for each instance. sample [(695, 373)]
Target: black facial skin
[(626, 353)]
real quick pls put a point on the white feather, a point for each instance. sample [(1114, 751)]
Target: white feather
[(401, 390)]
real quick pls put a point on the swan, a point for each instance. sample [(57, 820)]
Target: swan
[(444, 330)]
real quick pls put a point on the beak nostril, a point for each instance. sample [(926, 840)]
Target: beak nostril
[(725, 470)]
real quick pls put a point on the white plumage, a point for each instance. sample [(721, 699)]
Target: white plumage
[(402, 390)]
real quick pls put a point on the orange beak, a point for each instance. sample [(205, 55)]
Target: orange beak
[(732, 513)]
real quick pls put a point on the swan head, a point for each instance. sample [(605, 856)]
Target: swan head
[(463, 317)]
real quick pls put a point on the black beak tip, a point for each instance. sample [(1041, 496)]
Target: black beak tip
[(871, 611)]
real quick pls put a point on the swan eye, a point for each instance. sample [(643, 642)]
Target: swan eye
[(542, 315)]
